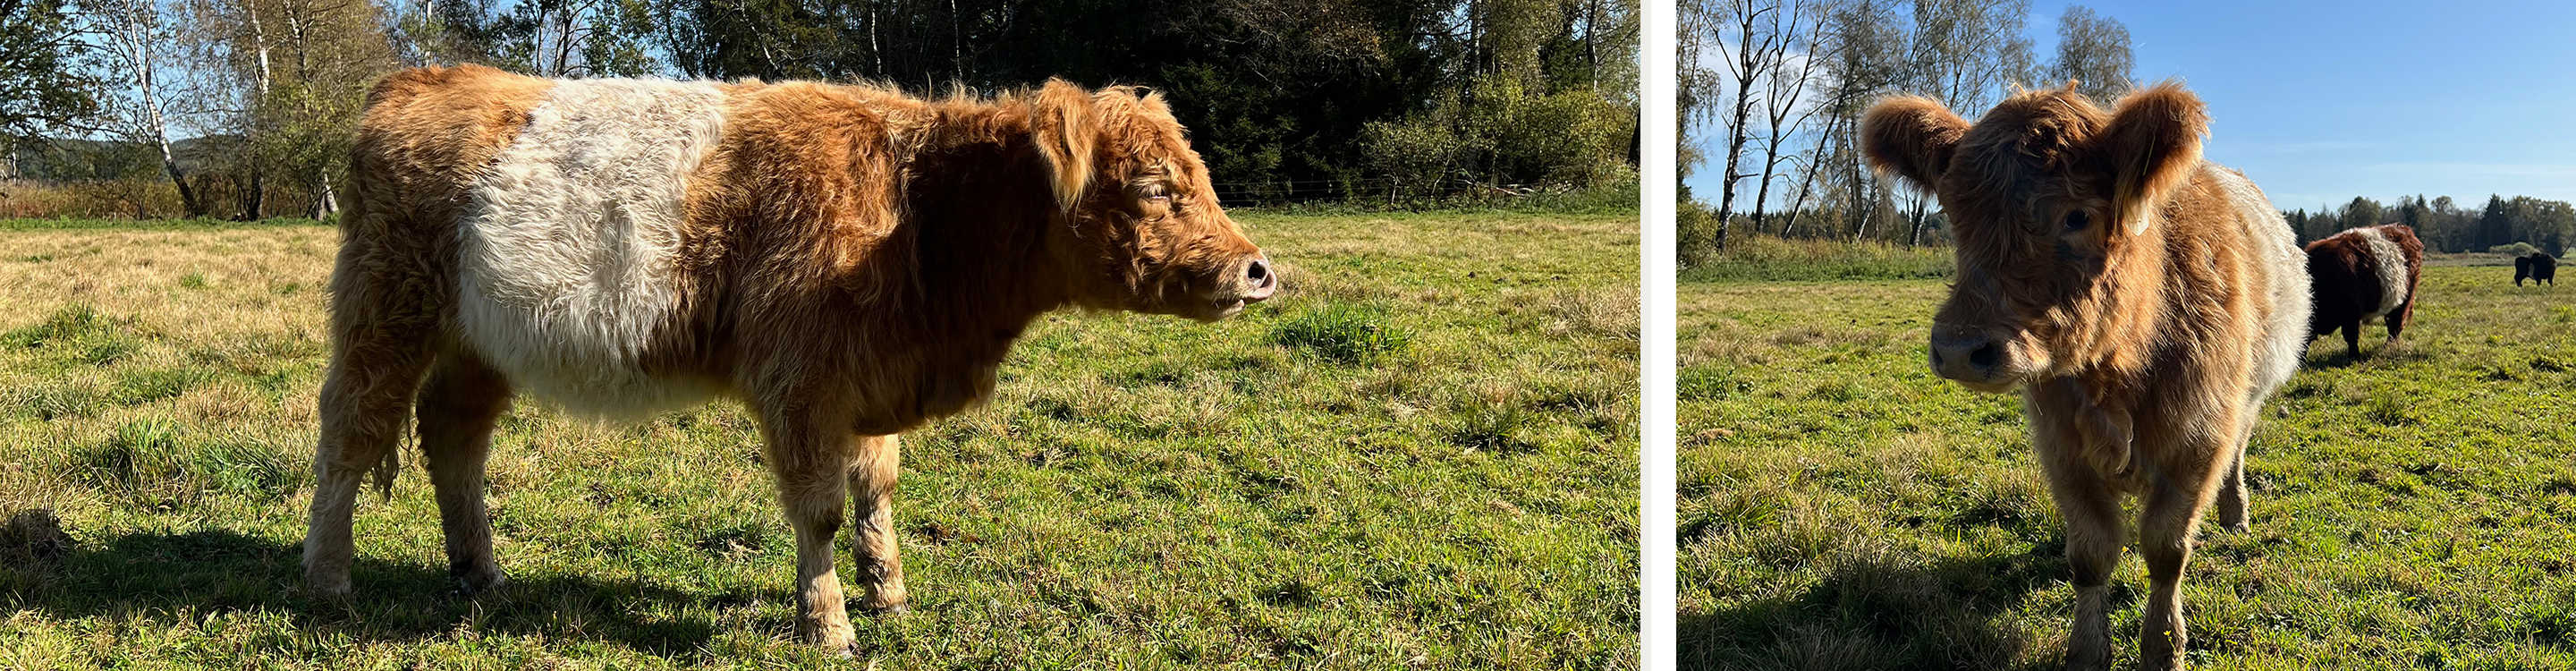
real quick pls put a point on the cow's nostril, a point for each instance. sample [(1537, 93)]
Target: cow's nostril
[(1985, 356), (1258, 273)]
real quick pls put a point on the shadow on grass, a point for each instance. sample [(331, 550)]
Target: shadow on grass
[(220, 570), (1880, 614), (2382, 353)]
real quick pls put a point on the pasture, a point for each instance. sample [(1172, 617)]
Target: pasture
[(1842, 508), (1423, 454)]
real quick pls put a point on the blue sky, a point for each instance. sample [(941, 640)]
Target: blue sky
[(2322, 101)]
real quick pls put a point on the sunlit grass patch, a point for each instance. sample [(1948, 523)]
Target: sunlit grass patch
[(1843, 508)]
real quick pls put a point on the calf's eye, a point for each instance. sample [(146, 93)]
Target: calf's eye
[(2077, 220)]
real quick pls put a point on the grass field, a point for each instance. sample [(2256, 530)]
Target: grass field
[(1423, 455), (1841, 508)]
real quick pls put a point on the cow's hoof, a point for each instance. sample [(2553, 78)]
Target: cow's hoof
[(481, 582), (889, 610), (327, 587)]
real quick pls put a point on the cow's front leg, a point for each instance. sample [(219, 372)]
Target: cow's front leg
[(880, 562), (813, 470), (2170, 509), (2091, 505)]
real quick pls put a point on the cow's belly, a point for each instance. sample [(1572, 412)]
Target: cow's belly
[(567, 262)]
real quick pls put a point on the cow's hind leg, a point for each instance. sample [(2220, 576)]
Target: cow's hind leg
[(458, 407), (2232, 501), (381, 344), (812, 463), (2352, 339), (880, 563)]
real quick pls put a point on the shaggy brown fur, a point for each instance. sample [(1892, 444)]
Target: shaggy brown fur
[(854, 263), (2140, 298), (2349, 289)]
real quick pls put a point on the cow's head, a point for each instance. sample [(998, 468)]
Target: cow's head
[(1142, 231), (2054, 203)]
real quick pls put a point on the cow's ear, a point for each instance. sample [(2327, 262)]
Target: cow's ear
[(2152, 147), (1911, 137), (1063, 125)]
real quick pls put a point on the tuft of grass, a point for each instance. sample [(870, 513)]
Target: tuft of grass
[(193, 280), (1343, 333)]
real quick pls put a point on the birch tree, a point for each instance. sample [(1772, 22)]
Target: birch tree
[(135, 35), (2092, 50)]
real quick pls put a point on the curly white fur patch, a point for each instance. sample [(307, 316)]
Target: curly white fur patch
[(2391, 264), (567, 261), (2285, 271)]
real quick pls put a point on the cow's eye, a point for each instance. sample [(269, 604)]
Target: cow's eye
[(1157, 193), (2077, 220)]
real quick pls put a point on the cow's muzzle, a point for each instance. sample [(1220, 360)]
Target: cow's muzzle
[(1259, 280), (1971, 357)]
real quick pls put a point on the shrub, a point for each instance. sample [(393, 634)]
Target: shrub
[(2516, 249)]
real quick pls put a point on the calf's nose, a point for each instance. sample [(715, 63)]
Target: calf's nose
[(1965, 355), (1262, 280)]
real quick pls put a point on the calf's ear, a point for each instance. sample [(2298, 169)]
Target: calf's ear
[(1062, 124), (1911, 137), (2152, 147)]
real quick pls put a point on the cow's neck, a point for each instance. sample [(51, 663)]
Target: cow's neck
[(975, 221)]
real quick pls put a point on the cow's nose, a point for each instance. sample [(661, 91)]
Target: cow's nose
[(1260, 278), (1967, 356)]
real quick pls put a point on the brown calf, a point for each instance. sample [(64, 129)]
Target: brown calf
[(2361, 275), (849, 262), (2143, 300)]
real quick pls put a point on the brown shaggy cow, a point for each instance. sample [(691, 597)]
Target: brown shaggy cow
[(2538, 267), (2364, 274), (2144, 301), (848, 261)]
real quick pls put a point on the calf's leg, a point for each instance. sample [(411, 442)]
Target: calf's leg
[(2171, 508), (457, 409), (879, 561), (374, 371), (2232, 499), (2094, 529), (812, 464), (2397, 319)]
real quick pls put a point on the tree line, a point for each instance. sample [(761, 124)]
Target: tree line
[(2500, 225), (1771, 95), (243, 108)]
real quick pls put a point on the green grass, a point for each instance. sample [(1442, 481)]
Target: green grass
[(1143, 492), (1840, 507), (1772, 259)]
